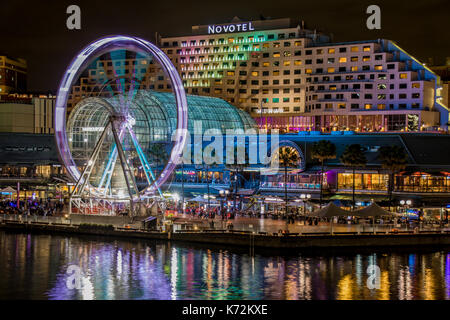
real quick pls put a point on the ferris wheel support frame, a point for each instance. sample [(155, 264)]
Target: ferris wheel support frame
[(81, 61)]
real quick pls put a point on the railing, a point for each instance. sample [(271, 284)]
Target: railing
[(5, 218), (291, 185)]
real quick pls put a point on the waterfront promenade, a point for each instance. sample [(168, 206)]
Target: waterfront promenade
[(349, 238)]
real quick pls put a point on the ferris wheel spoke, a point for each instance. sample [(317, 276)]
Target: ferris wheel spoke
[(145, 165), (84, 177), (109, 169), (128, 174)]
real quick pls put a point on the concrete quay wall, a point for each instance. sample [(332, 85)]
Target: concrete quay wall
[(247, 240)]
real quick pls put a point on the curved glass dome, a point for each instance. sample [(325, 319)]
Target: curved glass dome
[(154, 120), (158, 109)]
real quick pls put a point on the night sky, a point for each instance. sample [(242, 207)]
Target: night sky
[(36, 30)]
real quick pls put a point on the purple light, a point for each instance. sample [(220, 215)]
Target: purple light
[(95, 49)]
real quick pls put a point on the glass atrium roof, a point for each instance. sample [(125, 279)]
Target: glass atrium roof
[(159, 109)]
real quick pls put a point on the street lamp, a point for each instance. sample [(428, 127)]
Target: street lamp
[(224, 195), (305, 198)]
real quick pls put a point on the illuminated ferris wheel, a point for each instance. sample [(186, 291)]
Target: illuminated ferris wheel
[(106, 142)]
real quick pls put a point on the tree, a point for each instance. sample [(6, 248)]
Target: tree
[(323, 150), (353, 157), (237, 166), (288, 157), (393, 159)]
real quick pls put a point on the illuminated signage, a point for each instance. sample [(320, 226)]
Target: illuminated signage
[(228, 28), (92, 129)]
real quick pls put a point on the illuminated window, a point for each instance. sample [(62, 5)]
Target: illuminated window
[(230, 73), (355, 49), (276, 54), (331, 50), (297, 43), (276, 72), (287, 63), (354, 68), (341, 105), (266, 64), (366, 48), (354, 59), (276, 44), (415, 85), (403, 76), (331, 70), (266, 45), (297, 62), (366, 58), (287, 53), (255, 73), (308, 71), (342, 59), (367, 106), (381, 106), (333, 88), (379, 67)]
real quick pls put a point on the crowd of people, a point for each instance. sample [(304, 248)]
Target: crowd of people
[(31, 207)]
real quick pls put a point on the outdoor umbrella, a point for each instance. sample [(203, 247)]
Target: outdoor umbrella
[(202, 200), (331, 210), (373, 210), (8, 190)]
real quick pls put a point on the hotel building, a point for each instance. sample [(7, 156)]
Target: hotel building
[(293, 79), (13, 75)]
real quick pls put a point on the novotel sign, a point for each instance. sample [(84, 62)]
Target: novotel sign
[(235, 27)]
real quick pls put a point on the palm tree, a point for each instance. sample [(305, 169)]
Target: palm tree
[(237, 167), (323, 150), (288, 157), (353, 157), (393, 159)]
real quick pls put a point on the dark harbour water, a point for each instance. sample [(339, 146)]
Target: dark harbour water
[(34, 266)]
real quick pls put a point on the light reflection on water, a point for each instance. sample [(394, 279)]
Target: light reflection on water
[(34, 267)]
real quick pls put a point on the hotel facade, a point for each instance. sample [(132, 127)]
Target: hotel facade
[(293, 79)]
